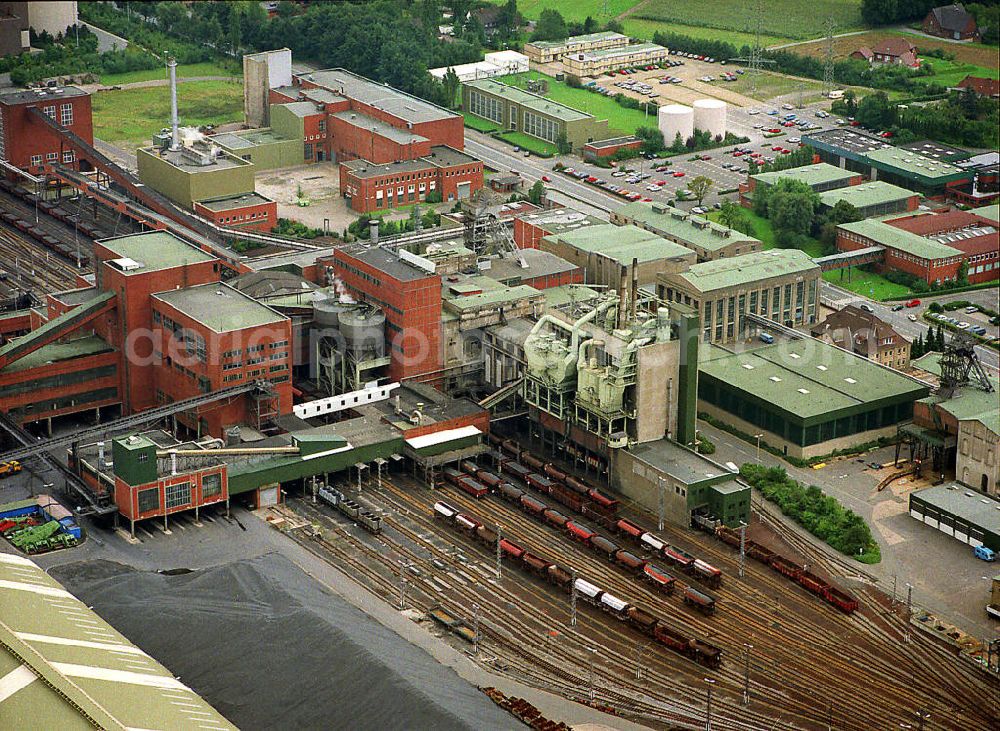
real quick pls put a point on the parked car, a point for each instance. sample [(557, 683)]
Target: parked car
[(866, 307), (546, 179), (913, 303), (897, 308), (911, 317), (971, 308)]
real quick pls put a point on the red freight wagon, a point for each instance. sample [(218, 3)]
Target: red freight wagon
[(576, 485), (841, 600), (473, 487), (627, 527), (784, 566), (535, 507), (554, 472), (629, 560), (604, 546), (510, 492), (579, 532), (659, 578), (677, 557), (536, 563), (553, 517), (813, 583), (702, 602), (511, 549)]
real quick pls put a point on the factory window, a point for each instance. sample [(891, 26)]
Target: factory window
[(144, 457), (149, 500), (66, 114), (211, 485), (51, 157), (50, 112), (178, 495), (68, 156), (36, 160)]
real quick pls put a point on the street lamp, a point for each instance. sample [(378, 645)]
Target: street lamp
[(593, 654), (746, 674), (758, 437), (708, 705)]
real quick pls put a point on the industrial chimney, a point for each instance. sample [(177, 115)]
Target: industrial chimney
[(175, 141)]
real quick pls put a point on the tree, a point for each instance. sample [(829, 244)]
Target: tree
[(844, 212), (451, 85), (285, 9), (735, 217), (563, 144), (700, 187), (917, 347), (614, 26), (234, 36), (551, 26), (791, 212), (939, 341), (876, 111), (536, 192), (589, 25), (879, 12), (509, 19), (850, 102), (962, 276), (652, 139)]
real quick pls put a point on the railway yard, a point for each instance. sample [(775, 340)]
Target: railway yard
[(799, 661)]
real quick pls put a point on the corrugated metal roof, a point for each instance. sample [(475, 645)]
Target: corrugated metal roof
[(694, 231), (809, 174), (526, 99), (64, 667), (622, 243), (875, 193)]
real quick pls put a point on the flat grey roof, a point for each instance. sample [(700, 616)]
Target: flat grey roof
[(386, 261), (227, 203), (678, 462), (365, 169), (963, 502), (540, 264), (154, 250), (219, 307), (21, 96), (395, 102)]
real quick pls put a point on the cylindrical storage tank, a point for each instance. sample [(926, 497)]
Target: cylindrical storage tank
[(233, 437), (326, 312), (673, 119), (363, 329), (710, 116)]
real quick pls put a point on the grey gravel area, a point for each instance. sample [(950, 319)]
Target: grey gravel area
[(232, 633)]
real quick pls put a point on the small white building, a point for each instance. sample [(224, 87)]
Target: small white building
[(498, 63)]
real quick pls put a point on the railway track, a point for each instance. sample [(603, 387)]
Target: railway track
[(30, 266), (858, 646)]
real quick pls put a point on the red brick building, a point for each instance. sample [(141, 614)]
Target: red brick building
[(354, 117), (951, 21), (930, 246), (157, 327), (530, 228), (409, 296), (894, 50), (607, 148), (983, 87), (368, 187), (249, 211), (26, 142)]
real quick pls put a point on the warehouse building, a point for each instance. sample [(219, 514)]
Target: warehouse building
[(549, 51), (780, 285), (28, 143), (805, 397), (248, 211), (496, 63), (600, 149), (518, 110), (709, 240), (606, 252), (929, 246), (64, 667), (876, 159), (607, 60), (820, 177), (266, 148), (196, 171), (876, 198), (956, 511)]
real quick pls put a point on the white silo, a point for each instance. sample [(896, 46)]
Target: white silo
[(673, 119), (710, 116)]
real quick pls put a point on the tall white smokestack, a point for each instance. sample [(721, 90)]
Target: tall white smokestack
[(175, 140)]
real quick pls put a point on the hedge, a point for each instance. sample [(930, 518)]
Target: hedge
[(820, 514)]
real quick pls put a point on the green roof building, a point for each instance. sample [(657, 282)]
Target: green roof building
[(958, 512), (879, 233), (709, 240), (805, 397), (876, 198), (780, 284), (605, 251), (513, 109), (819, 177)]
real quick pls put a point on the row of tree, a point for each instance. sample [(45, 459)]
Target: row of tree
[(890, 12), (963, 118), (934, 342)]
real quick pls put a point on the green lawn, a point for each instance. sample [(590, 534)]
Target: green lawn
[(478, 123), (183, 71), (130, 117), (526, 142), (645, 28), (621, 120), (576, 10), (865, 283), (762, 230), (789, 18), (949, 73)]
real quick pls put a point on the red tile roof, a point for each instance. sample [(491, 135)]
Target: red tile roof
[(983, 87)]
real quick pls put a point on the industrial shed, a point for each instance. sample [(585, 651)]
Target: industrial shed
[(805, 397), (958, 511), (62, 666)]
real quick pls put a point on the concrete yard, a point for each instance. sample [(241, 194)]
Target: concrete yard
[(320, 184)]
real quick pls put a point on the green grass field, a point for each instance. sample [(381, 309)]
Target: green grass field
[(799, 19), (644, 28), (130, 117), (183, 71), (620, 119), (478, 123), (526, 142), (865, 283), (949, 73), (576, 10), (762, 230)]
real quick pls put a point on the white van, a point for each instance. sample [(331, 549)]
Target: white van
[(836, 94)]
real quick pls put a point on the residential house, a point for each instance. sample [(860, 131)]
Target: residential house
[(951, 21), (983, 87), (865, 334), (893, 50)]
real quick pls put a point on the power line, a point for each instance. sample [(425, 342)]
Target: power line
[(828, 81)]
